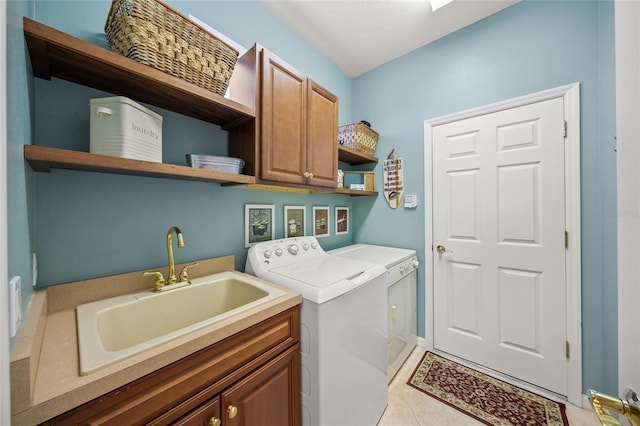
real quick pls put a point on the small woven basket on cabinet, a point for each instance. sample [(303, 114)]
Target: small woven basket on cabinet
[(358, 136), (154, 34)]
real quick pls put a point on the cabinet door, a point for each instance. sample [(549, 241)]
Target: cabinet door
[(322, 136), (283, 117), (268, 397)]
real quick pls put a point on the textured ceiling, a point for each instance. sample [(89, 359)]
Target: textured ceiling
[(359, 35)]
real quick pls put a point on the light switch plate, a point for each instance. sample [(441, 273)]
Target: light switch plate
[(410, 201), (15, 305)]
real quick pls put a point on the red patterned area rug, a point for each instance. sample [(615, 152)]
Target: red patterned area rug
[(485, 398)]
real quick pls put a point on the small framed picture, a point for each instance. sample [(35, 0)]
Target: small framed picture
[(342, 220), (258, 223), (321, 222), (295, 219)]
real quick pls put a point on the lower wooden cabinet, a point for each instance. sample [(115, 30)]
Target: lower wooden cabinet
[(249, 379), (268, 397)]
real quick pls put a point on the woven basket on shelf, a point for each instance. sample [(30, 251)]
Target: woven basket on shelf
[(154, 34), (358, 136)]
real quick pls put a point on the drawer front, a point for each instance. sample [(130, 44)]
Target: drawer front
[(205, 415)]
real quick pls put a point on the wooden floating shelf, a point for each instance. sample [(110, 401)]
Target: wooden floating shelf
[(354, 157), (307, 190), (43, 159), (354, 192), (56, 54)]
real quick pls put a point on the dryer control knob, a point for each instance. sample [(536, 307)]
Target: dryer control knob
[(267, 254), (415, 263), (305, 246), (402, 269), (314, 245), (279, 252), (293, 249)]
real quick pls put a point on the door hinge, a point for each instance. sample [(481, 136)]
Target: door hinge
[(566, 239), (567, 349), (565, 128)]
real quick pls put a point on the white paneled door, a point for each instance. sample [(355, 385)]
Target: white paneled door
[(499, 242)]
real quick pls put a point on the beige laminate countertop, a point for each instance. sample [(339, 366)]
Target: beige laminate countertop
[(45, 374)]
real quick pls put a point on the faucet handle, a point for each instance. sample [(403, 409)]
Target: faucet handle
[(184, 274), (160, 281)]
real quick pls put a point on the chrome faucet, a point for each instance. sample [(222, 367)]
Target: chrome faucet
[(628, 406), (172, 280)]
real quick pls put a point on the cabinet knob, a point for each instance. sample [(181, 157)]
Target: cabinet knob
[(308, 175), (214, 422), (232, 411)]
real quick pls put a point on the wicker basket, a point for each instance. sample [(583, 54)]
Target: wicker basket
[(358, 136), (152, 33)]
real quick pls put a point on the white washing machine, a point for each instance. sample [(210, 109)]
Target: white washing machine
[(343, 337), (402, 267)]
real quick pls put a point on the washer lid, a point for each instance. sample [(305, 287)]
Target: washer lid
[(323, 271), (382, 255)]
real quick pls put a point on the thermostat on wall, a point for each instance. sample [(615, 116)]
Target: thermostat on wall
[(410, 201)]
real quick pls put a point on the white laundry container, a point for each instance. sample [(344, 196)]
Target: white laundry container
[(123, 128)]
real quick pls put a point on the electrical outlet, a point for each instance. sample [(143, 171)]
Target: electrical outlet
[(34, 268), (15, 305)]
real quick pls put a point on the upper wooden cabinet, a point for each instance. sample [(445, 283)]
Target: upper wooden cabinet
[(322, 135), (296, 130)]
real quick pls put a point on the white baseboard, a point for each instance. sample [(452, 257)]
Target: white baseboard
[(586, 404)]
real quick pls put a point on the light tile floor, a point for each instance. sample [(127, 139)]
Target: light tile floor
[(410, 407)]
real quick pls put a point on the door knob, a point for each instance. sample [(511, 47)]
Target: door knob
[(232, 411), (440, 249)]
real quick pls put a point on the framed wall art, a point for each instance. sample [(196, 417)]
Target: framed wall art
[(342, 220), (295, 219), (321, 222), (258, 223)]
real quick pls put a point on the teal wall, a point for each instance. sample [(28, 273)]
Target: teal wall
[(92, 224), (20, 178), (84, 225), (529, 47)]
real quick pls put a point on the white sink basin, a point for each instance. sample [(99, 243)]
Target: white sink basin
[(112, 329)]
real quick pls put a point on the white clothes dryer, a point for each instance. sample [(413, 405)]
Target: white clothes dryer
[(402, 266), (343, 337)]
